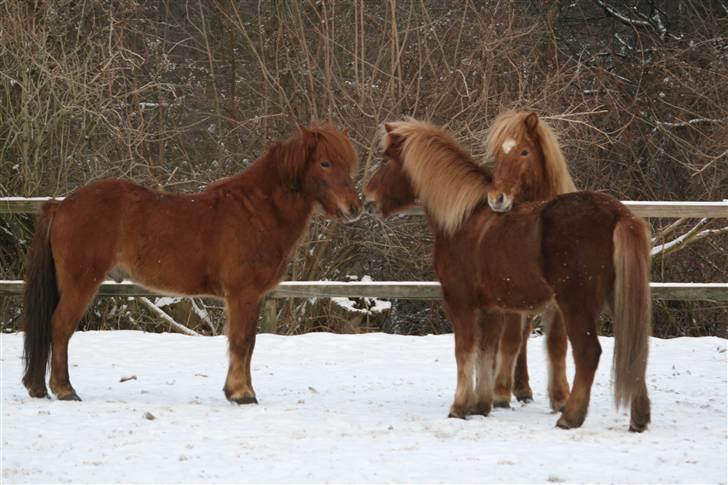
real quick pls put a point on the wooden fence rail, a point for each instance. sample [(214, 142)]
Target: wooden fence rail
[(391, 290)]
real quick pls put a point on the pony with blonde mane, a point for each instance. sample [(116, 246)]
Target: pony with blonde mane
[(529, 166), (574, 251)]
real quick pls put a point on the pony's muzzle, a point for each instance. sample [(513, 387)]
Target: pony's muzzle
[(499, 201), (370, 207), (353, 211)]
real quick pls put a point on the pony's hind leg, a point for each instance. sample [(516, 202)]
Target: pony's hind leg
[(640, 411), (521, 382), (581, 327), (556, 347), (72, 305), (242, 320), (510, 344)]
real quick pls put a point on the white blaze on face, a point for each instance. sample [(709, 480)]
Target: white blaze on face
[(508, 145)]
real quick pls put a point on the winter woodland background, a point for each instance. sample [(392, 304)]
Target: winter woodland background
[(176, 93)]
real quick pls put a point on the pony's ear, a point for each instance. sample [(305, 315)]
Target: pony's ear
[(308, 136), (388, 127), (531, 122)]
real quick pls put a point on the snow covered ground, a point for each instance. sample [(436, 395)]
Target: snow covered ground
[(352, 408)]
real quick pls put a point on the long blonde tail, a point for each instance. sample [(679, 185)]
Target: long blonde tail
[(632, 308)]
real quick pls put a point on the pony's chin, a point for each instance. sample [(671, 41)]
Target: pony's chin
[(501, 208)]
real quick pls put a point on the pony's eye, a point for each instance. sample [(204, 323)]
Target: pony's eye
[(384, 161), (326, 164), (524, 153)]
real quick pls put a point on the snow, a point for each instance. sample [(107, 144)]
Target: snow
[(369, 306), (164, 301), (351, 408), (366, 306)]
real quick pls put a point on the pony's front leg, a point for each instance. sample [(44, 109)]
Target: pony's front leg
[(510, 345), (463, 319), (491, 326), (521, 382), (242, 323)]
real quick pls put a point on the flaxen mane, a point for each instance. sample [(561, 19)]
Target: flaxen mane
[(447, 180), (511, 124)]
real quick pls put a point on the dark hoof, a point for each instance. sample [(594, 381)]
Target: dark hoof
[(453, 415), (244, 400), (501, 404), (482, 410), (557, 407), (39, 393), (524, 396), (637, 428), (71, 396), (564, 424)]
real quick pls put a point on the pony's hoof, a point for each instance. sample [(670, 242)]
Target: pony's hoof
[(558, 406), (69, 396), (244, 400), (524, 396), (458, 412), (564, 423), (39, 393), (638, 427), (482, 410), (501, 404)]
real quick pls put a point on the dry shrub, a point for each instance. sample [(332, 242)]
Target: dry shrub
[(176, 93)]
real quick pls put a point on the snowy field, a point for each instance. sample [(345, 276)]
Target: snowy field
[(351, 408)]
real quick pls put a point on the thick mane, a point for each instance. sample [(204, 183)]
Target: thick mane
[(447, 180), (511, 124), (289, 158)]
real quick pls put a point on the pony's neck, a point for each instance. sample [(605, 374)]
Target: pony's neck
[(263, 193), (539, 191)]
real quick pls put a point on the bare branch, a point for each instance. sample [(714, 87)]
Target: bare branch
[(693, 235), (164, 316)]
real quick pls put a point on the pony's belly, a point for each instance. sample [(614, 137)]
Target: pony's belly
[(183, 280), (526, 298)]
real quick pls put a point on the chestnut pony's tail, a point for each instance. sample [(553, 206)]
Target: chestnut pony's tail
[(40, 300), (632, 315)]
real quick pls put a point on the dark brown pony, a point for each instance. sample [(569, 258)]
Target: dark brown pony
[(230, 241), (576, 251), (529, 166)]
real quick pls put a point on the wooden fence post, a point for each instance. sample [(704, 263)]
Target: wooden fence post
[(269, 317)]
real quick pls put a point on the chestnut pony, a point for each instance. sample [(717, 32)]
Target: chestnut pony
[(230, 241), (577, 251), (529, 166)]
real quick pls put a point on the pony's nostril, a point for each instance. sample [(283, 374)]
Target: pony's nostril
[(353, 209), (370, 207), (501, 198)]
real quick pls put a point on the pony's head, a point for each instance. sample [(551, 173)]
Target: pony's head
[(423, 161), (389, 189), (529, 164), (318, 163)]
